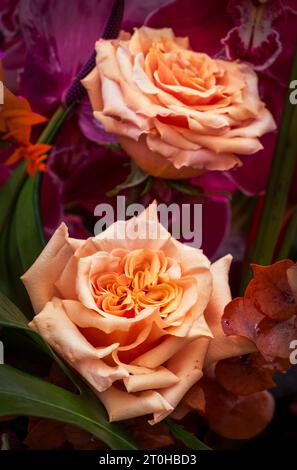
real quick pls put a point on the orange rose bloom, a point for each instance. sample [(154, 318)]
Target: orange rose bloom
[(133, 313), (177, 112)]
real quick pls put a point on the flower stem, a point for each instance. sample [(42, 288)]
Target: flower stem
[(54, 125), (279, 183), (289, 237)]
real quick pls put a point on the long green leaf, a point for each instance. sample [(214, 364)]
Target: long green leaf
[(281, 173), (30, 241), (9, 193), (12, 317), (289, 237), (21, 232), (23, 394), (186, 437)]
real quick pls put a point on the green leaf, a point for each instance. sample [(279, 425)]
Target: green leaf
[(280, 176), (135, 177), (186, 437), (9, 193), (183, 187), (23, 394), (289, 237), (12, 317), (148, 185), (29, 234), (21, 232)]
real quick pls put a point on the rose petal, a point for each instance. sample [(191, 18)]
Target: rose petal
[(123, 405), (161, 378), (221, 294), (41, 277), (55, 327)]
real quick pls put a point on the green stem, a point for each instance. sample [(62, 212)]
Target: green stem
[(290, 235), (279, 183), (54, 125), (47, 137)]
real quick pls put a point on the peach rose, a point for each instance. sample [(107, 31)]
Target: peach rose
[(133, 311), (177, 112)]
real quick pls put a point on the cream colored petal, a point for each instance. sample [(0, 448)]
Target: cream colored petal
[(161, 353), (118, 127), (220, 296), (225, 145), (172, 137), (140, 78), (251, 99), (122, 405), (101, 263), (115, 106), (154, 163), (209, 119), (57, 329), (191, 259), (223, 347), (66, 283), (88, 318), (189, 299), (258, 127), (92, 84), (187, 365), (137, 232), (40, 278), (202, 159), (161, 378), (84, 317), (144, 37)]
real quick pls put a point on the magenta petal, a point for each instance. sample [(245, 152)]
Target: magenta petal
[(254, 38), (251, 178), (136, 12), (59, 38), (91, 128), (205, 24)]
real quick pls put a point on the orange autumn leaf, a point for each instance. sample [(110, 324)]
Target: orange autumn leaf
[(230, 415), (35, 154), (148, 437), (248, 374), (47, 434), (267, 314), (233, 416), (271, 292)]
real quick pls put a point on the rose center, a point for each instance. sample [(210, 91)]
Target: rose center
[(143, 283)]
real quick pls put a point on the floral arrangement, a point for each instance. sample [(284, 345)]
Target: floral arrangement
[(182, 111)]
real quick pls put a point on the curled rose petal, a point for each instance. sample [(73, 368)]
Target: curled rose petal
[(41, 277)]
